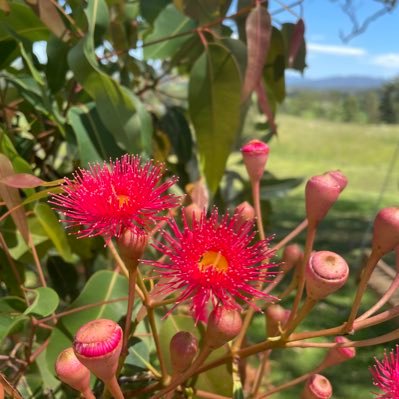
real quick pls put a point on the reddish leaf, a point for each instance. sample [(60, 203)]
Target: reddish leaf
[(12, 198), (264, 105), (258, 30), (296, 41), (50, 16), (22, 180)]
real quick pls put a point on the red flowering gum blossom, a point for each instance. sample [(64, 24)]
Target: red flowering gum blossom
[(339, 355), (276, 317), (386, 230), (223, 325), (386, 375), (98, 345), (255, 155), (213, 261), (292, 256), (183, 348), (71, 371), (317, 387), (325, 273), (321, 193), (106, 199)]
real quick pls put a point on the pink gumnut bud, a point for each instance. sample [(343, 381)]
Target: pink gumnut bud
[(244, 213), (183, 348), (325, 273), (386, 230), (71, 371), (317, 387), (223, 325), (276, 317), (339, 355), (97, 345), (255, 155), (131, 246), (192, 212), (321, 193), (292, 256), (340, 178), (1, 391)]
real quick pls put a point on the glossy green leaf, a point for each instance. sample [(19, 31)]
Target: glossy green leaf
[(9, 323), (115, 103), (54, 230), (214, 106), (57, 65), (23, 21), (139, 355), (168, 23), (175, 125), (299, 64), (27, 57), (151, 9), (95, 142), (202, 11), (273, 72), (102, 286), (45, 303)]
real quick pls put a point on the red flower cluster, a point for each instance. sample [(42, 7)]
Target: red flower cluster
[(213, 261), (386, 375), (106, 200)]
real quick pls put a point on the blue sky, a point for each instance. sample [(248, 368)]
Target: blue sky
[(373, 53)]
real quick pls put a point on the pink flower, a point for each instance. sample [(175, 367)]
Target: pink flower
[(212, 260), (386, 375), (107, 200)]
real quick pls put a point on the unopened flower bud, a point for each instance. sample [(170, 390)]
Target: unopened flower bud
[(339, 355), (245, 211), (183, 348), (131, 246), (340, 178), (397, 257), (386, 230), (71, 371), (292, 256), (321, 192), (255, 155), (325, 273), (276, 317), (223, 325), (97, 345), (1, 391), (317, 387), (192, 212)]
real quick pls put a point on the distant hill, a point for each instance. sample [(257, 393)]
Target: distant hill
[(339, 83)]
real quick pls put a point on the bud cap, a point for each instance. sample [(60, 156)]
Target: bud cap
[(183, 348), (255, 154), (317, 387), (386, 230)]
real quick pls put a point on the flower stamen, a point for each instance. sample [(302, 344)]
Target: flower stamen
[(215, 260)]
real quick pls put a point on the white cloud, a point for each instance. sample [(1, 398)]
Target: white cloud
[(336, 50), (388, 60)]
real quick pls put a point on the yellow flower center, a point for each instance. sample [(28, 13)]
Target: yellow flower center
[(123, 199), (215, 260)]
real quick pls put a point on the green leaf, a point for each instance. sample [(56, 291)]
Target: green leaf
[(115, 103), (175, 125), (299, 64), (168, 23), (23, 21), (151, 9), (45, 303), (214, 106), (102, 286), (12, 275), (202, 11), (29, 63), (95, 142), (54, 230), (57, 65), (8, 52), (9, 323), (273, 72)]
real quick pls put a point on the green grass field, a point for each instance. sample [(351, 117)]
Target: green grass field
[(364, 154)]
